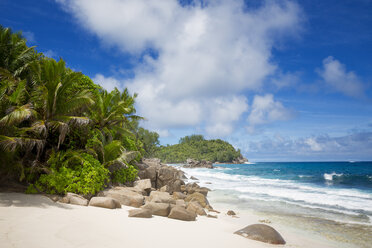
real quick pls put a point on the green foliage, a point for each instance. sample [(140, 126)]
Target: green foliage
[(73, 172), (47, 111), (150, 141), (196, 147), (191, 139), (125, 175)]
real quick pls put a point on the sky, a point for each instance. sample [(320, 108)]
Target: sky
[(280, 80)]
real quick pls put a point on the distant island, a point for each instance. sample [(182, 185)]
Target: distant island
[(198, 148)]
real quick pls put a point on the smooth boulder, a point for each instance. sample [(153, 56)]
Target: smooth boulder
[(181, 203), (198, 197), (75, 199), (179, 195), (195, 208), (263, 233), (156, 208), (140, 213), (125, 195), (104, 202), (180, 213), (161, 197), (231, 213), (144, 185)]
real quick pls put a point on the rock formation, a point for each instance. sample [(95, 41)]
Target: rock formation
[(191, 163), (240, 160), (104, 202), (262, 232), (161, 175)]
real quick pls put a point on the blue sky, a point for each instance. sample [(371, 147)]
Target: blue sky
[(281, 80)]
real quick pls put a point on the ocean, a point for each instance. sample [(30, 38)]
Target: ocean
[(330, 198)]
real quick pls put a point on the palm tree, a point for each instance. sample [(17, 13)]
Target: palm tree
[(50, 113), (57, 108), (111, 153)]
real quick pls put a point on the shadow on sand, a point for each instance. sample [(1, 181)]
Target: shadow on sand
[(25, 200)]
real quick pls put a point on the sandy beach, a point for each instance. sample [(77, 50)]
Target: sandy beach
[(35, 221)]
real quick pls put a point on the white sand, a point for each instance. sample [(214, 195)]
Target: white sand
[(35, 221)]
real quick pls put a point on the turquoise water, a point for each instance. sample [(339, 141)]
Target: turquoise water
[(330, 198)]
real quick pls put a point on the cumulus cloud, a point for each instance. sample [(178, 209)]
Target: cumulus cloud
[(206, 55), (223, 113), (108, 83), (313, 144), (354, 146), (50, 53), (336, 76), (265, 110)]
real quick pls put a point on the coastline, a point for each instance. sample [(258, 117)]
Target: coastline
[(329, 228), (37, 221)]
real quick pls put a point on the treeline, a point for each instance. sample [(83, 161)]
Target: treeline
[(196, 147), (60, 132)]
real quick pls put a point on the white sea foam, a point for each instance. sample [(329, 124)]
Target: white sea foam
[(346, 201), (329, 177), (249, 163), (302, 176)]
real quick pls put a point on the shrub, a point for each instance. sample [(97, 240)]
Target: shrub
[(73, 172), (125, 175)]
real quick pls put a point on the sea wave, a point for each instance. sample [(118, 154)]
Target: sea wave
[(343, 200), (331, 176)]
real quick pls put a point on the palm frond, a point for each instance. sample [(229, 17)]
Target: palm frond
[(13, 143), (17, 115)]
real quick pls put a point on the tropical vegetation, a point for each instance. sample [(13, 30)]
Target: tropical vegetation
[(197, 147), (59, 131)]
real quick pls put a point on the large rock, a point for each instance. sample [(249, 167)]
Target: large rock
[(180, 213), (262, 232), (197, 197), (231, 213), (194, 207), (144, 185), (240, 160), (191, 163), (179, 195), (165, 188), (104, 202), (125, 195), (75, 199), (170, 176), (181, 203), (161, 209), (194, 187), (161, 174), (140, 213), (161, 197)]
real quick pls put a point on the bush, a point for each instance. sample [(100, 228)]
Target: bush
[(73, 172), (125, 175)]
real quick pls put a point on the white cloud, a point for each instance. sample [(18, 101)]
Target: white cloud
[(313, 144), (30, 36), (265, 110), (108, 83), (50, 54), (286, 80), (335, 75), (354, 146), (205, 54), (223, 113)]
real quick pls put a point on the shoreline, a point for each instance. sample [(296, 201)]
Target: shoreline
[(37, 221), (332, 232), (65, 225)]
